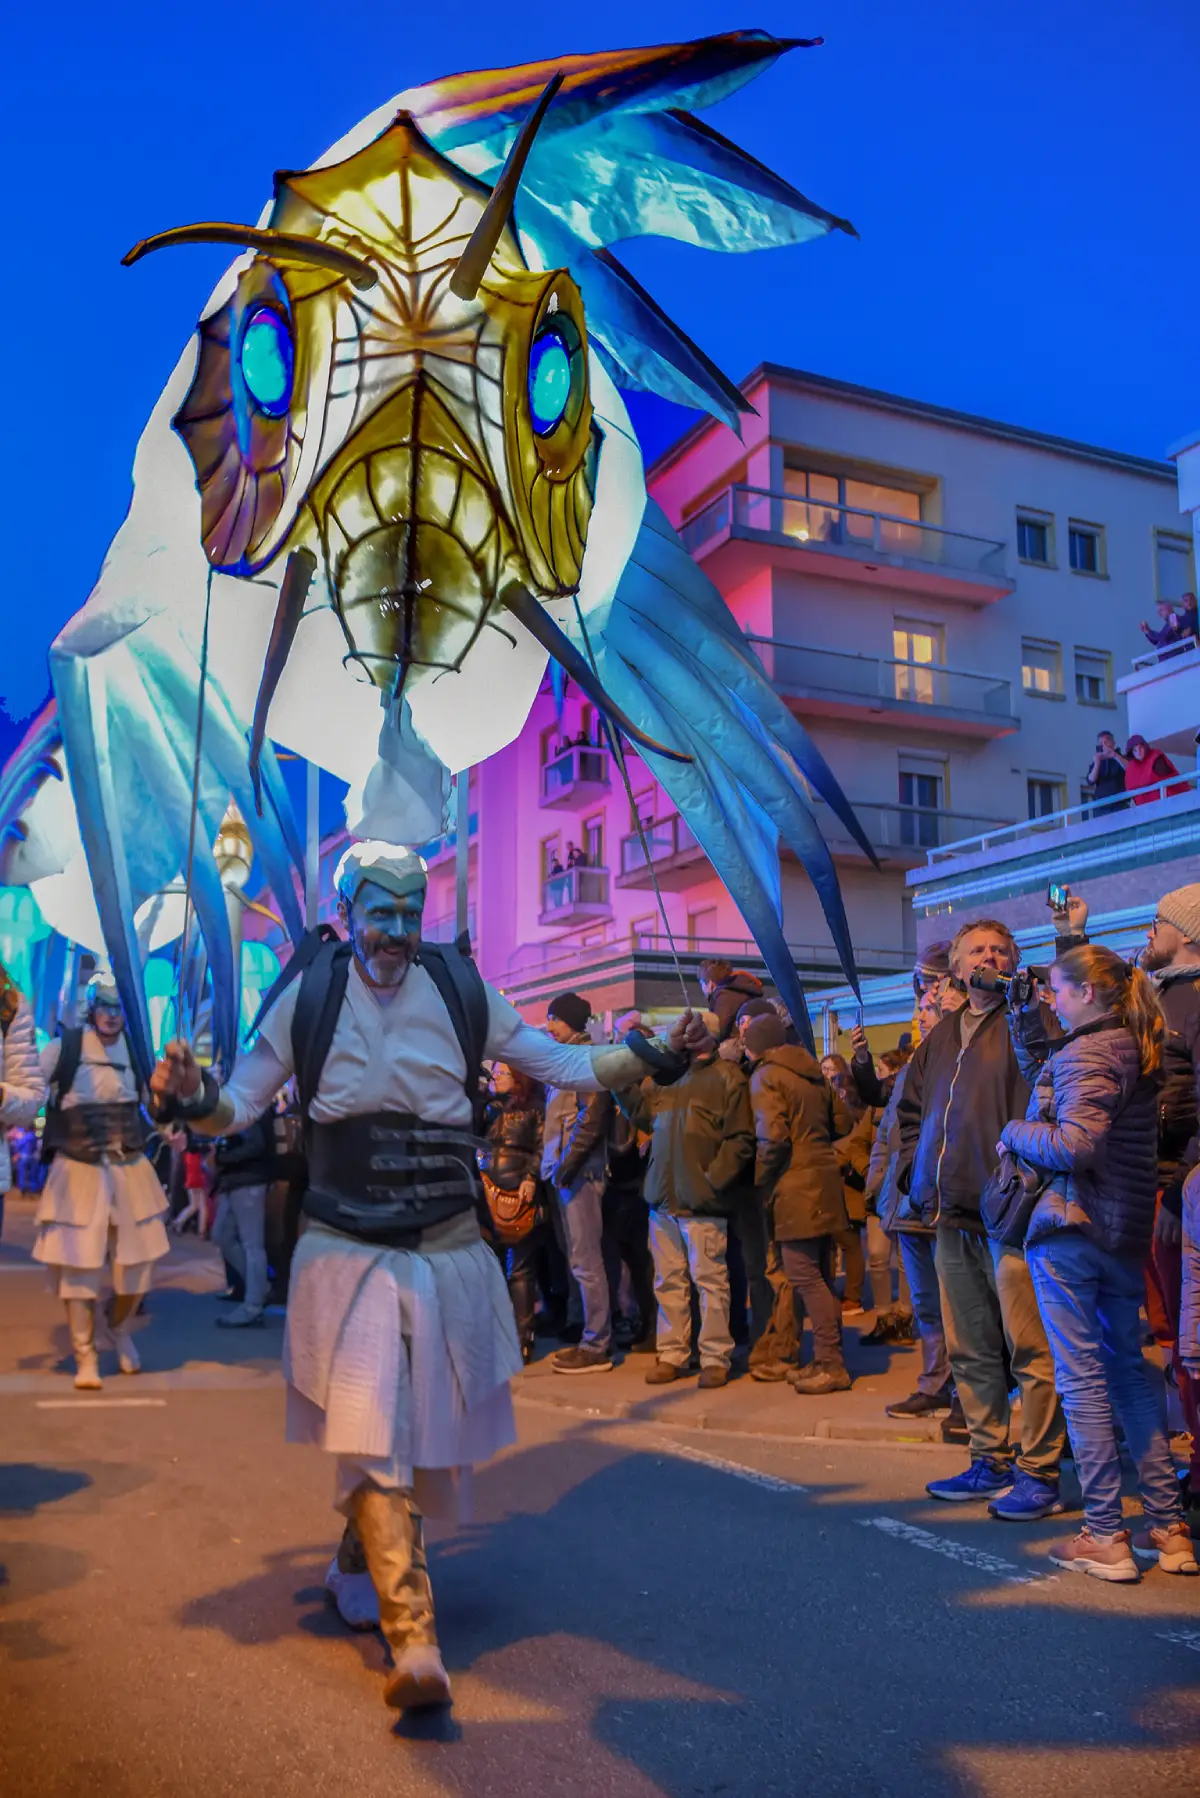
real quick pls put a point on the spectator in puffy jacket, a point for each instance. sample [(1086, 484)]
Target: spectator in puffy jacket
[(1172, 960), (701, 1156), (1146, 768), (574, 1157), (1091, 1132), (892, 1323), (964, 1084), (797, 1119)]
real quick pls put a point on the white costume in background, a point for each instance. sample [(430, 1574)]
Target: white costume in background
[(109, 1213), (22, 1088)]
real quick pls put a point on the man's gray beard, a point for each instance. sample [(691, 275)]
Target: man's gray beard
[(386, 974)]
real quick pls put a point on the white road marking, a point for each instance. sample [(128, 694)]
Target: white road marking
[(684, 1452), (92, 1404), (1183, 1638), (968, 1556), (21, 1267)]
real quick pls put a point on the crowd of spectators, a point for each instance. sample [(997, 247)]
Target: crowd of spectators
[(1007, 1190)]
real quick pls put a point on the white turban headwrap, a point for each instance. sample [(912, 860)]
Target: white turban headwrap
[(389, 865)]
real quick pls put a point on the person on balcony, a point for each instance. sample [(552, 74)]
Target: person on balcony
[(576, 857), (1106, 773), (1147, 767), (1178, 622)]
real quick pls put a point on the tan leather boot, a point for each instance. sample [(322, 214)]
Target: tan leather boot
[(122, 1310), (81, 1321), (389, 1526)]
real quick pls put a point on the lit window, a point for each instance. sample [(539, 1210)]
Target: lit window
[(1034, 533), (830, 508), (915, 645), (1093, 676), (1086, 548), (1041, 667)]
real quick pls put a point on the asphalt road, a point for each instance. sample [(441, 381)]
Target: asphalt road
[(640, 1609)]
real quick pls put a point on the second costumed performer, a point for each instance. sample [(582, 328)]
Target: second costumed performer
[(400, 1340)]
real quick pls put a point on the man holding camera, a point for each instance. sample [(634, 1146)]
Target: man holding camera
[(963, 1086)]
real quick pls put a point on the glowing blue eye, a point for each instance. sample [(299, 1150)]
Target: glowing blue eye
[(266, 358), (549, 379)]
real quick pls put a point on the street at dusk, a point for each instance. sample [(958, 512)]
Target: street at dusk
[(600, 904)]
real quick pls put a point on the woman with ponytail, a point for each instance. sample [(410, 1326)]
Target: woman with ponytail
[(1091, 1131)]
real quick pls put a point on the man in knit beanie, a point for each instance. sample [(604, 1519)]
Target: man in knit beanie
[(1172, 959)]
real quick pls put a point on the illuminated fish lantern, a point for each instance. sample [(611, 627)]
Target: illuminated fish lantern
[(395, 457)]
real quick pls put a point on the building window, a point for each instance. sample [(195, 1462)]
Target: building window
[(1086, 547), (1174, 569), (1047, 793), (551, 856), (830, 508), (917, 645), (1093, 677), (593, 842), (1035, 537), (922, 798), (643, 933), (1041, 667), (702, 928)]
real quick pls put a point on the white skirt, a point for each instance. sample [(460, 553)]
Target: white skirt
[(397, 1357)]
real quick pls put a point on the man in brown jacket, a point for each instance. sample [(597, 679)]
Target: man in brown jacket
[(797, 1118), (701, 1161)]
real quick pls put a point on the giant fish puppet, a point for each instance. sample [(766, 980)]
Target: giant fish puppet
[(392, 475)]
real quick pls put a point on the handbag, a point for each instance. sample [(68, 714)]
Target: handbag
[(1007, 1202), (513, 1217)]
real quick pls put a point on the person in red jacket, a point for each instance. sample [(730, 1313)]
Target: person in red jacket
[(1148, 767)]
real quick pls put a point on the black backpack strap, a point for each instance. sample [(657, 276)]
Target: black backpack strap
[(309, 946), (69, 1057), (451, 968), (322, 990)]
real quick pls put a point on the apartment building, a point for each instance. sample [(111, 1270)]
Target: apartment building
[(944, 601)]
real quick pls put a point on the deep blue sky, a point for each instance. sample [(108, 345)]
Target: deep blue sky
[(1022, 176)]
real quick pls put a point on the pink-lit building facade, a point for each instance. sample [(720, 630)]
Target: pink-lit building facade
[(944, 601)]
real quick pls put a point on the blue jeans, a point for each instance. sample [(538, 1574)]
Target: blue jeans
[(1090, 1303), (583, 1224), (917, 1260)]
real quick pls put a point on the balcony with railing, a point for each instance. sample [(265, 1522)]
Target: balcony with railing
[(670, 854), (742, 526), (836, 683), (1118, 852), (901, 833), (578, 895), (444, 929), (1162, 694), (578, 775)]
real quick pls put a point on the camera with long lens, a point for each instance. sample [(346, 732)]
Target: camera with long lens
[(1019, 988)]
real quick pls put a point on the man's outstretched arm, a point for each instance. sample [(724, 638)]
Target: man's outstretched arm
[(214, 1110)]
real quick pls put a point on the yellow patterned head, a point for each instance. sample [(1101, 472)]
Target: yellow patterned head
[(430, 450)]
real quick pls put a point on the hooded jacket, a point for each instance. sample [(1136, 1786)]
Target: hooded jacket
[(956, 1101), (701, 1139), (728, 997), (1179, 1096), (797, 1119), (1092, 1125)]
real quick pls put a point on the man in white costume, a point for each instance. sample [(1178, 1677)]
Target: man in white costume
[(103, 1206), (400, 1341)]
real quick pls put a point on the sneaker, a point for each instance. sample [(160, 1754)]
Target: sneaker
[(881, 1330), (663, 1372), (1170, 1545), (813, 1381), (852, 1308), (955, 1427), (1031, 1498), (984, 1478), (242, 1317), (581, 1360), (712, 1377), (920, 1404), (1104, 1557)]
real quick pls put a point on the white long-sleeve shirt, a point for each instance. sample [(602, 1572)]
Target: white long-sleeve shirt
[(399, 1053)]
